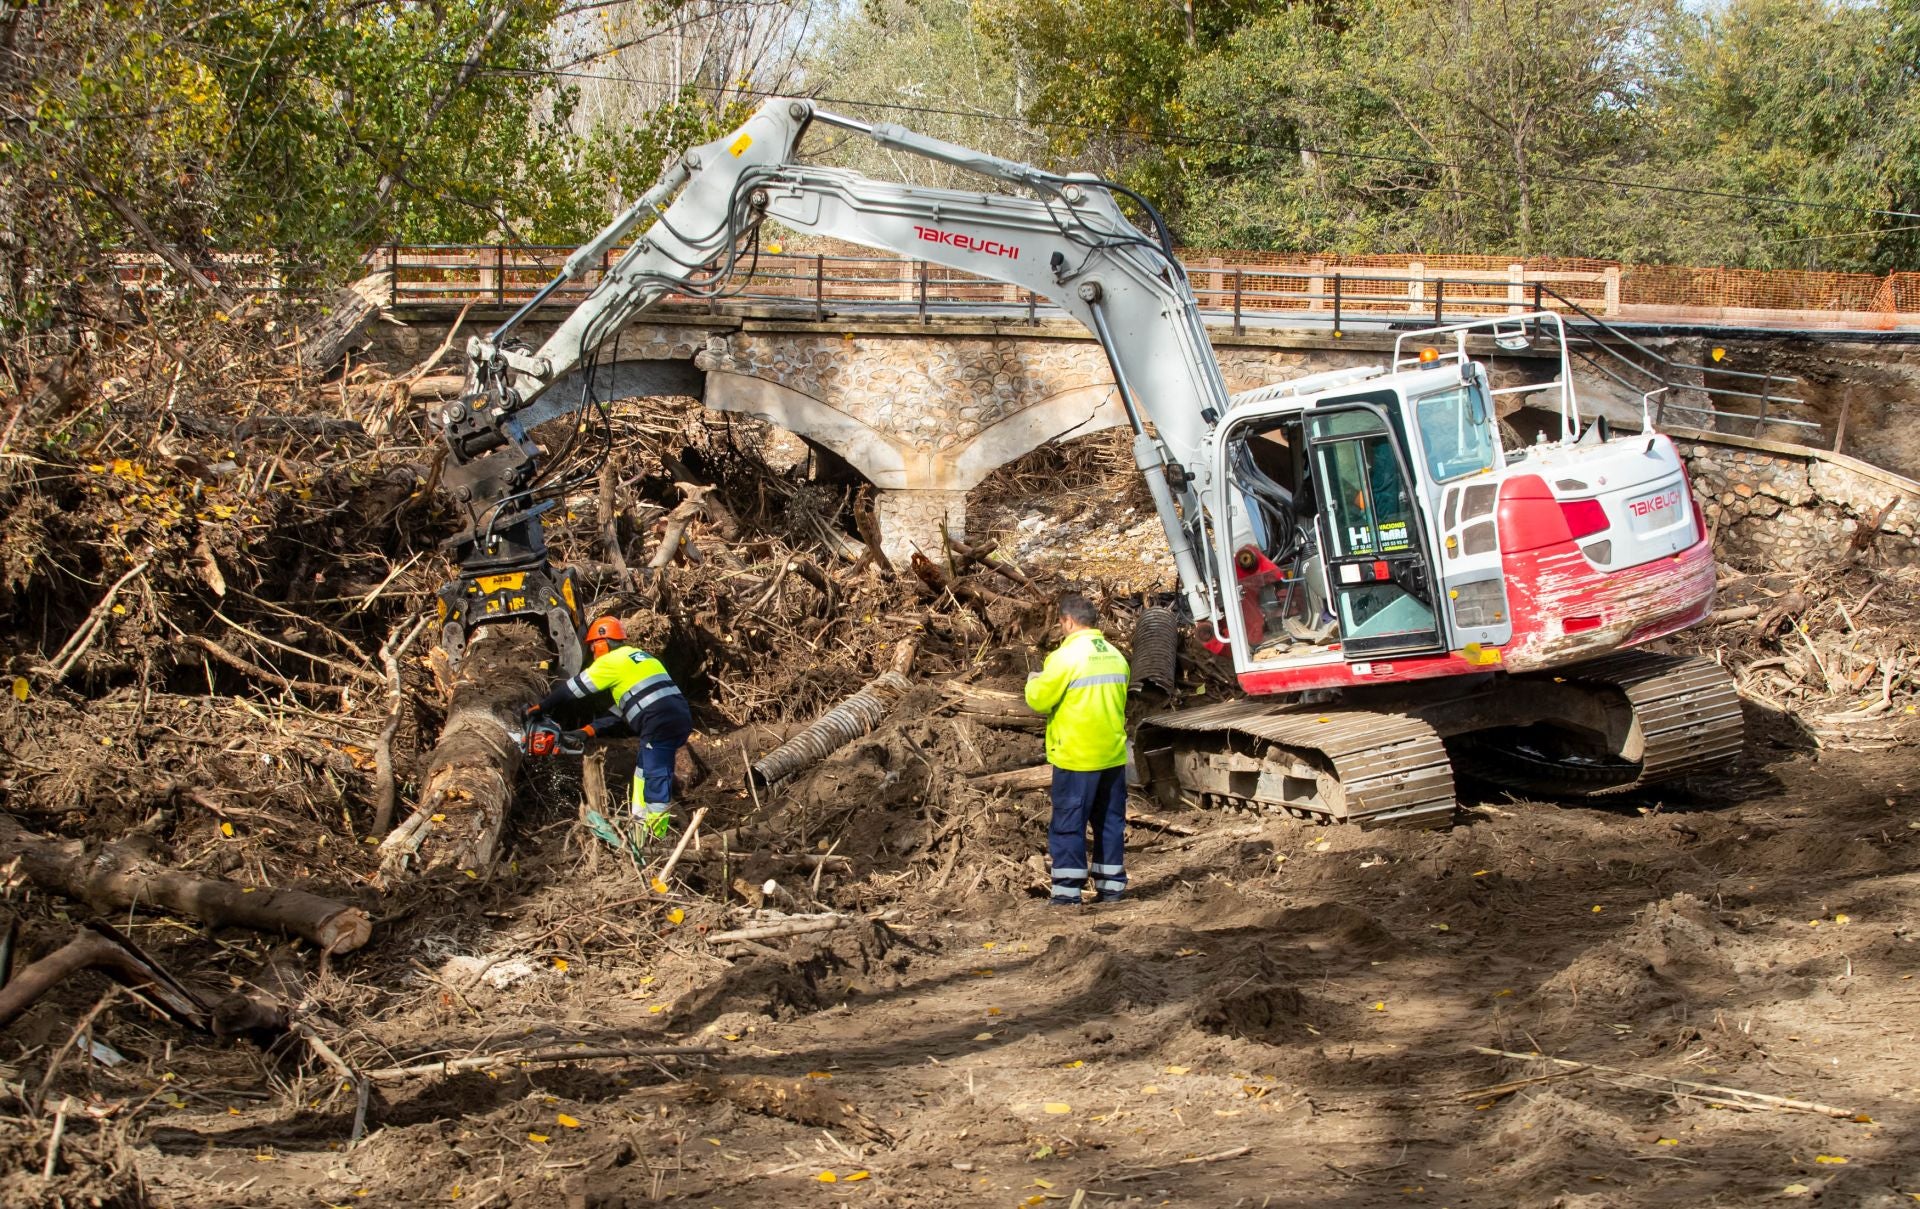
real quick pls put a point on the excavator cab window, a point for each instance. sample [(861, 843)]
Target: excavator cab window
[(1456, 431), (1376, 561)]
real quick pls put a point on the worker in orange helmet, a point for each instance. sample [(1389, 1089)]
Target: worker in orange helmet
[(632, 694)]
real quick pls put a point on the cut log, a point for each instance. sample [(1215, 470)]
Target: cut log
[(468, 786), (990, 707), (113, 878), (1039, 776)]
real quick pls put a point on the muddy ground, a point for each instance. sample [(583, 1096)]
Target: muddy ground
[(1280, 1014)]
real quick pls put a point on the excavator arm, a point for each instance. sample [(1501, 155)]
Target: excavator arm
[(1061, 237)]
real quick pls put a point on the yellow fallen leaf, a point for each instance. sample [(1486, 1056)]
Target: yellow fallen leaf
[(987, 944), (1056, 1108), (226, 829), (1842, 919), (818, 1074), (1802, 1190), (1178, 1070), (676, 916), (859, 1175), (1829, 1158), (1813, 923), (1076, 1064), (1185, 952), (993, 1011), (21, 688), (1597, 908), (470, 873), (1441, 928), (1381, 1006), (1668, 1142), (1039, 1198), (827, 1177), (654, 1009), (983, 1036), (560, 964), (1862, 1119), (729, 1036), (538, 1137), (983, 972), (1481, 872), (1503, 993), (438, 818), (567, 1121), (1151, 1089), (1040, 1183), (658, 886)]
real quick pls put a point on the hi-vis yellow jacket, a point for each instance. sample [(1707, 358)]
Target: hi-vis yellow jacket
[(634, 679), (1083, 690)]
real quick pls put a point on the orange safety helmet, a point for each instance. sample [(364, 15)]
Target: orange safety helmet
[(603, 633)]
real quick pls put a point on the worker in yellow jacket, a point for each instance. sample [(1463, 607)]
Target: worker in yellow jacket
[(629, 692), (1082, 689)]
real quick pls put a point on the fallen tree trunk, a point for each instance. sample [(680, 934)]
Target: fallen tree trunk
[(98, 947), (468, 785), (114, 878)]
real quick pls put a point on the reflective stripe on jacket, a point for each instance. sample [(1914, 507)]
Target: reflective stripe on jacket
[(1083, 690), (633, 678)]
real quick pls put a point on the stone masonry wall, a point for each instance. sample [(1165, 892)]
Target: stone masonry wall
[(1792, 511)]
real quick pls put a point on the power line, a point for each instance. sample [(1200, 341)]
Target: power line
[(1206, 140)]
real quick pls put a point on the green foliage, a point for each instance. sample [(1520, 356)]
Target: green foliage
[(1106, 74), (1809, 99), (928, 54), (313, 130), (1494, 126)]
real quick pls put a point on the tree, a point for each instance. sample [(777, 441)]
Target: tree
[(1811, 100), (1416, 125), (932, 68)]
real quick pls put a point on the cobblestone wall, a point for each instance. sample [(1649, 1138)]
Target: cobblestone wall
[(1787, 510)]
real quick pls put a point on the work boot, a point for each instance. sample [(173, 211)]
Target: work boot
[(1108, 896), (1063, 902), (656, 825)]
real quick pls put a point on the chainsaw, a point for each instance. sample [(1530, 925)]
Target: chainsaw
[(545, 737)]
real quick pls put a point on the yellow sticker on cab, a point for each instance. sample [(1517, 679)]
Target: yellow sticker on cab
[(739, 145)]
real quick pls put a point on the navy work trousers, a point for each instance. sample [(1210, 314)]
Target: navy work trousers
[(663, 732), (1083, 800)]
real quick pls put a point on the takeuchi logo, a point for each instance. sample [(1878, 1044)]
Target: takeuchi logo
[(989, 247)]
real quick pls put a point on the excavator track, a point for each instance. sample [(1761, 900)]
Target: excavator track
[(1336, 765), (1383, 768), (1686, 720)]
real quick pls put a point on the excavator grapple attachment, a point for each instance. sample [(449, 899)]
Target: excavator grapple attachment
[(542, 595)]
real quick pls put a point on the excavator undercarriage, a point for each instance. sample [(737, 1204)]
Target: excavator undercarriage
[(1619, 723)]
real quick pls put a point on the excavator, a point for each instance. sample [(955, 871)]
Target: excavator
[(1403, 590)]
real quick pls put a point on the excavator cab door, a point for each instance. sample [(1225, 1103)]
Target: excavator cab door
[(1379, 571)]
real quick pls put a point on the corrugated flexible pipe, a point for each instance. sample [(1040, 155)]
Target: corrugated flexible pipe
[(832, 730)]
